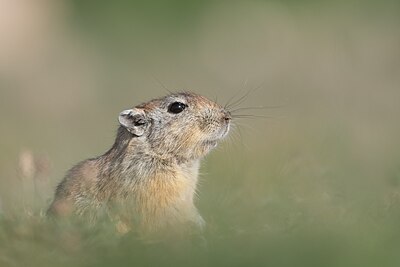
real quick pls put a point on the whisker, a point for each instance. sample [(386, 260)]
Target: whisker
[(243, 98), (245, 126), (161, 84), (254, 108), (241, 136), (228, 103), (230, 142), (239, 101), (241, 116)]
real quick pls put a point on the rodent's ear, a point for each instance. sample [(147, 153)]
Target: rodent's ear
[(133, 120)]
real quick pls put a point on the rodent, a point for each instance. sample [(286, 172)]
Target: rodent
[(150, 173)]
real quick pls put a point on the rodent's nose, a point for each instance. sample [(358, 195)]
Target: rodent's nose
[(227, 116)]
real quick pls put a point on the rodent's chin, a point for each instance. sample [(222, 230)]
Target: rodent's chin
[(223, 132), (226, 131), (211, 143)]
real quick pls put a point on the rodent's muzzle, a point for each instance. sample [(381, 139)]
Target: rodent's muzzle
[(216, 125), (227, 116)]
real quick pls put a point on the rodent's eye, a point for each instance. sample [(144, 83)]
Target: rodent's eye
[(176, 107)]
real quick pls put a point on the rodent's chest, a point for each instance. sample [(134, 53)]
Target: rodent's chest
[(170, 186), (167, 188)]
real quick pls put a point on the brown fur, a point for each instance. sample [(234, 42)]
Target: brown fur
[(148, 178)]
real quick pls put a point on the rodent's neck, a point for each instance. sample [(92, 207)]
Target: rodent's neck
[(159, 183), (128, 150), (122, 140)]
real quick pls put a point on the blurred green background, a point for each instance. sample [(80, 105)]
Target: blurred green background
[(316, 184)]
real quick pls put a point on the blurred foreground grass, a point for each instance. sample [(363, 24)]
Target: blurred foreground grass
[(281, 206), (318, 184)]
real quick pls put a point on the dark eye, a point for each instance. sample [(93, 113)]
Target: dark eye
[(176, 107)]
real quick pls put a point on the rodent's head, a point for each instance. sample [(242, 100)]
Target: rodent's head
[(183, 125)]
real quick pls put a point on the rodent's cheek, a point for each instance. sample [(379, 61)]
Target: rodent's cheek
[(211, 127), (188, 142)]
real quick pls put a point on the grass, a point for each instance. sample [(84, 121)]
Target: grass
[(290, 205)]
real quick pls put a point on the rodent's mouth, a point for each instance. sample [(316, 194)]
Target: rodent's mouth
[(226, 130), (223, 132)]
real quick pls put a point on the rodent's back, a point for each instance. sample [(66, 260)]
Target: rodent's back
[(79, 182)]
